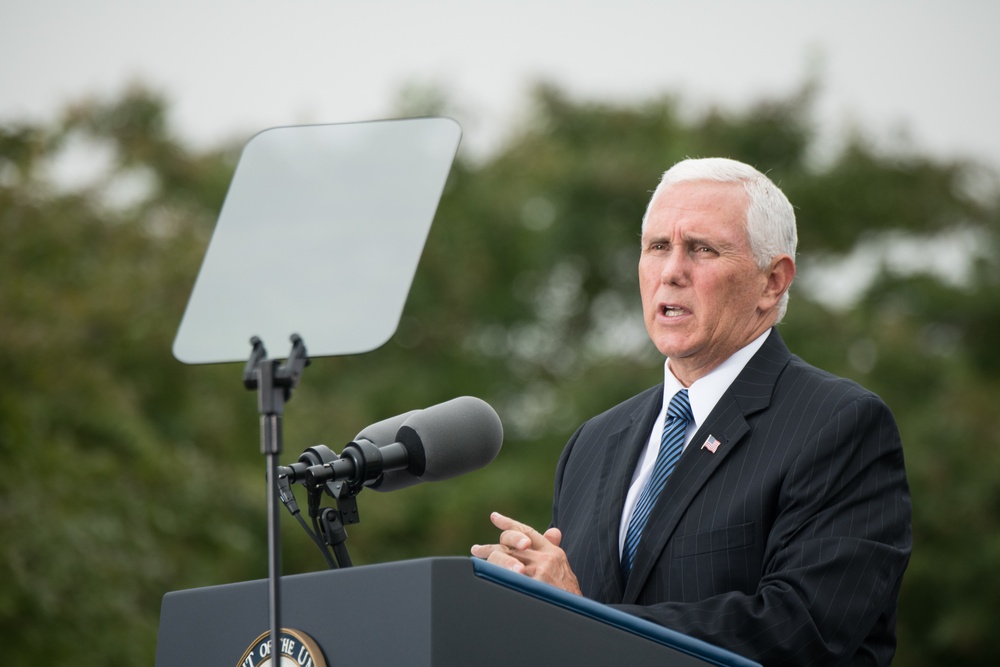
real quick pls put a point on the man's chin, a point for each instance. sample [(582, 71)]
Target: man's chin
[(674, 348)]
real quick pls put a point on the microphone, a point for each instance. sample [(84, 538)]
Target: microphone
[(434, 444), (445, 441)]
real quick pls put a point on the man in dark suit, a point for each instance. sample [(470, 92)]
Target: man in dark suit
[(751, 500)]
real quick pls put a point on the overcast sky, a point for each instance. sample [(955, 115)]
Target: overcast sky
[(232, 67)]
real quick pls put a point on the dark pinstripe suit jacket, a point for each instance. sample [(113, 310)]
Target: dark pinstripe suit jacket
[(787, 545)]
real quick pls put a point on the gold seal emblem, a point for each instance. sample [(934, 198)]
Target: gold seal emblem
[(297, 650)]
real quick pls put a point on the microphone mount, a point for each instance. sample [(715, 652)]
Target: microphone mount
[(342, 478), (361, 463)]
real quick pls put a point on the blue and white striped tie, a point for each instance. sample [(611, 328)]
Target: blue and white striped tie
[(671, 446)]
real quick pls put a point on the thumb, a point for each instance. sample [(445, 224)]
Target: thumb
[(553, 535)]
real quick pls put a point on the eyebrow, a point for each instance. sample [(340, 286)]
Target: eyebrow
[(687, 240)]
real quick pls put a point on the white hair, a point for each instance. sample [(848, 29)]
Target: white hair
[(770, 218)]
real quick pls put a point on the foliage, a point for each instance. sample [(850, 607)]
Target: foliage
[(127, 474)]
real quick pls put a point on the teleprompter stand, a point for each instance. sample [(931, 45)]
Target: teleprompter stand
[(274, 383)]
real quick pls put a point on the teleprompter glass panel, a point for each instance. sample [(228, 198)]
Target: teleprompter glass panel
[(320, 235)]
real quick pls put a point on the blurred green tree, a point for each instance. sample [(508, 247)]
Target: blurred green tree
[(128, 474)]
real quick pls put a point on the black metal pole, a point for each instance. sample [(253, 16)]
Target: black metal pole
[(270, 426)]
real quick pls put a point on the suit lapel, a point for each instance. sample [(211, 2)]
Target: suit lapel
[(621, 455), (727, 423)]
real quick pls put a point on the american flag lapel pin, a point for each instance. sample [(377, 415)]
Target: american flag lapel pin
[(711, 444)]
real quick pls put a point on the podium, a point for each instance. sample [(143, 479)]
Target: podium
[(441, 612)]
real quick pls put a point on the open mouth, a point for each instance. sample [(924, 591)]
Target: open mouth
[(671, 311)]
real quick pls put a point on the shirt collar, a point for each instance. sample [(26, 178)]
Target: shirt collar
[(706, 391)]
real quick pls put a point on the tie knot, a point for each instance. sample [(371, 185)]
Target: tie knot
[(680, 407)]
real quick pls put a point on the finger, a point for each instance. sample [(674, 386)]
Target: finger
[(507, 524), (484, 550), (506, 561), (553, 535), (515, 539)]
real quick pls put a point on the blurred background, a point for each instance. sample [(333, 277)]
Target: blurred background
[(125, 474)]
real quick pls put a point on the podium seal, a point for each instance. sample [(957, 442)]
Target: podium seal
[(297, 650)]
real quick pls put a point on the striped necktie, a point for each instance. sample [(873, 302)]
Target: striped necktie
[(671, 446)]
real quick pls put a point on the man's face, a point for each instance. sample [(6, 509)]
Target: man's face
[(703, 295)]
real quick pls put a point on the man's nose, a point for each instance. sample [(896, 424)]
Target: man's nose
[(675, 267)]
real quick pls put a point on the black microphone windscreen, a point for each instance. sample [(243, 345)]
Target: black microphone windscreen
[(451, 439)]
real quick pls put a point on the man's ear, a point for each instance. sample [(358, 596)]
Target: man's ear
[(779, 278)]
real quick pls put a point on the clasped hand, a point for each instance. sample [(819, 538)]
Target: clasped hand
[(524, 550)]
